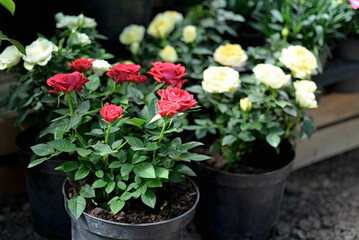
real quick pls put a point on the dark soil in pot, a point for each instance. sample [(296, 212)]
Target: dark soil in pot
[(176, 199)]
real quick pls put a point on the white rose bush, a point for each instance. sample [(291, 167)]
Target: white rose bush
[(76, 38), (245, 110)]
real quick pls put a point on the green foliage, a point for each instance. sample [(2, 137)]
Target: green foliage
[(9, 5)]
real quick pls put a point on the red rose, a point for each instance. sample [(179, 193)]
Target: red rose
[(167, 108), (111, 112), (80, 63), (126, 72), (182, 97), (67, 82), (168, 73)]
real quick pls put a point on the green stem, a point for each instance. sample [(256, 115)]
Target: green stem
[(287, 131), (108, 132), (161, 136), (70, 103)]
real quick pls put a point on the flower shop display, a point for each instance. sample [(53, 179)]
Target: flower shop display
[(120, 157), (31, 98), (249, 124)]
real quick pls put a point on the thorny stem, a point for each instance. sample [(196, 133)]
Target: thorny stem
[(70, 103)]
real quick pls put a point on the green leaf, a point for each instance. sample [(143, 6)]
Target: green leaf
[(42, 149), (149, 198), (202, 51), (291, 111), (228, 140), (126, 169), (273, 139), (153, 183), (125, 196), (99, 183), (162, 172), (62, 145), (87, 192), (139, 159), (135, 143), (136, 122), (103, 149), (99, 174), (121, 185), (115, 164), (93, 83), (185, 170), (9, 5), (116, 206), (77, 206), (110, 187), (75, 119), (175, 176), (83, 107), (70, 166), (199, 157), (81, 173), (308, 126), (145, 170), (191, 145), (84, 152), (37, 162), (116, 144), (246, 136)]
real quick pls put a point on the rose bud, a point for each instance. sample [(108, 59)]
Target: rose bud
[(81, 63), (111, 112)]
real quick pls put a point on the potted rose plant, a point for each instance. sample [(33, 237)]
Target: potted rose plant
[(31, 99), (124, 169), (250, 123)]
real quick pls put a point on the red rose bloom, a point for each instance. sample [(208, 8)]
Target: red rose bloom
[(167, 108), (168, 73), (67, 82), (111, 112), (182, 97), (80, 63), (126, 72)]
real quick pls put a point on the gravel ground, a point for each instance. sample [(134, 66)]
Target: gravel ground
[(321, 202)]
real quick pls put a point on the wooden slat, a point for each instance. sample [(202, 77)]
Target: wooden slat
[(335, 107), (327, 142)]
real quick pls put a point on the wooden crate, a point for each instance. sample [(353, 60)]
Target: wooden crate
[(337, 122)]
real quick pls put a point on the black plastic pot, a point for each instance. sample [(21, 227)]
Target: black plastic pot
[(88, 227), (44, 191), (239, 206), (349, 49)]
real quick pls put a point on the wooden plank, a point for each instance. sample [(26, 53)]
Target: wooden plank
[(327, 142), (335, 107)]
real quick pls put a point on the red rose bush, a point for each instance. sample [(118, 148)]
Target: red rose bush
[(120, 137)]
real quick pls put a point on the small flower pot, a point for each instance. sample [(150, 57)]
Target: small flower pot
[(44, 191), (239, 206), (88, 227)]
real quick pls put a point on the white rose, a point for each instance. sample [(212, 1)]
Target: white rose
[(132, 33), (161, 26), (168, 54), (306, 99), (82, 39), (73, 22), (220, 79), (9, 57), (230, 55), (300, 61), (305, 85), (99, 67), (38, 52), (271, 76), (176, 16), (189, 34)]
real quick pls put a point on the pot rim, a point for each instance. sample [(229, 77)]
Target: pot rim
[(273, 172), (137, 224)]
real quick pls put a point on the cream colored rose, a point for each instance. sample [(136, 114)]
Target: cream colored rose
[(306, 99), (168, 54), (300, 61), (99, 67), (73, 22), (134, 48), (220, 80), (10, 57), (82, 39), (38, 52), (189, 34), (131, 34), (305, 85), (245, 104), (175, 16), (161, 26), (230, 55), (271, 76)]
